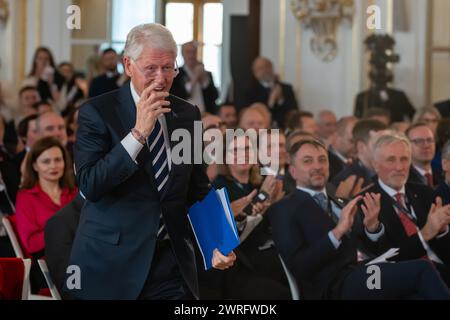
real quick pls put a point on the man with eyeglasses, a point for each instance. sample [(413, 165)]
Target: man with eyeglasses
[(134, 238), (423, 148)]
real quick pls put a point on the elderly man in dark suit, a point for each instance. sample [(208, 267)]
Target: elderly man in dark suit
[(279, 97), (413, 223), (194, 83), (313, 238), (134, 238)]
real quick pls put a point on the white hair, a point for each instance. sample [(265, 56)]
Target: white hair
[(390, 138), (153, 35)]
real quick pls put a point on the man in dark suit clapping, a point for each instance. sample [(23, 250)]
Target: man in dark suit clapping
[(313, 238), (413, 223)]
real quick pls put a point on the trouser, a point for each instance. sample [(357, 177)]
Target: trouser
[(164, 281)]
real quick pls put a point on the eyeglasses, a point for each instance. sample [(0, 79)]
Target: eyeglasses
[(152, 70), (422, 142)]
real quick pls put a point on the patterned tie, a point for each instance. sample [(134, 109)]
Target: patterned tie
[(321, 200), (160, 167), (408, 225), (429, 178)]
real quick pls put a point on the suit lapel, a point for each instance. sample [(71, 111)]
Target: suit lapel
[(126, 112), (413, 199)]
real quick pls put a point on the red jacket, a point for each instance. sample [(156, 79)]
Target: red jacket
[(33, 208)]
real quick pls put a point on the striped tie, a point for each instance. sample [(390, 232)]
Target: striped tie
[(158, 153), (160, 167)]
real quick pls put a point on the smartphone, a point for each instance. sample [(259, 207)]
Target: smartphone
[(260, 197)]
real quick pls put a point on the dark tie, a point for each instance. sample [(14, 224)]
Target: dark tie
[(408, 225), (160, 166), (429, 178), (321, 200)]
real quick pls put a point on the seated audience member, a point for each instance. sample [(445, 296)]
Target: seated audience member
[(28, 97), (48, 185), (276, 151), (342, 149), (59, 232), (228, 114), (312, 235), (326, 126), (443, 190), (279, 97), (44, 76), (365, 133), (262, 109), (301, 120), (28, 135), (257, 272), (413, 221), (193, 83), (430, 116), (382, 115), (251, 119), (51, 124), (111, 79), (423, 149)]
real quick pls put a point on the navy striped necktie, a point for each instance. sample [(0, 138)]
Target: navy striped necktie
[(158, 153), (160, 167)]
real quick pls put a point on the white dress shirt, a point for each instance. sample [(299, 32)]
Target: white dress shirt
[(391, 192), (196, 91), (133, 146)]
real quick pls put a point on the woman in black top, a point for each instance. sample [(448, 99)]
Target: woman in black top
[(257, 273)]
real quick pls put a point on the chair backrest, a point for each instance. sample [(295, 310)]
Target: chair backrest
[(48, 279), (295, 292), (9, 222), (14, 278)]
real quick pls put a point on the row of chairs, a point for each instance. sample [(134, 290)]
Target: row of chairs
[(21, 279), (23, 258)]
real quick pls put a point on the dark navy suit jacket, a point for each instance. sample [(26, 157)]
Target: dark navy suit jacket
[(300, 230), (116, 238)]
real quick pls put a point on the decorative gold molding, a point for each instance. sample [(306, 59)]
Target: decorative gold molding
[(429, 52), (390, 17), (324, 18), (282, 40), (22, 36), (38, 23), (298, 57)]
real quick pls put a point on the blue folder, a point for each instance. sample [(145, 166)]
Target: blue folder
[(213, 224)]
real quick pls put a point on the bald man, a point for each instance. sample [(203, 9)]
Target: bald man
[(279, 97), (194, 83)]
